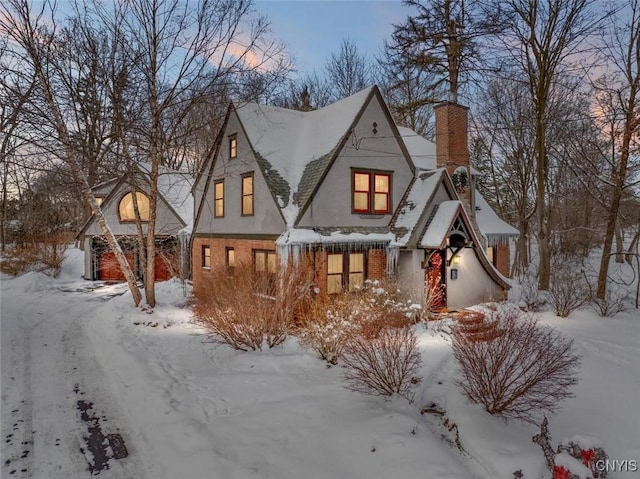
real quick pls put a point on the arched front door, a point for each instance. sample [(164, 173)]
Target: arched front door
[(435, 280)]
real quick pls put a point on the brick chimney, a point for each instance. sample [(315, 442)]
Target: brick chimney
[(452, 149)]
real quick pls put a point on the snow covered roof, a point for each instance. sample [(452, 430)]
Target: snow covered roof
[(422, 151), (296, 236), (175, 187), (413, 205), (491, 225), (438, 228), (295, 148)]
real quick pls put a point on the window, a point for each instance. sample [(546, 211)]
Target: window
[(99, 200), (233, 147), (206, 256), (230, 259), (345, 269), (126, 210), (247, 194), (218, 207), (265, 267), (371, 192)]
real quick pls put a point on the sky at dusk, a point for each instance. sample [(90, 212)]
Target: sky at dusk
[(313, 29)]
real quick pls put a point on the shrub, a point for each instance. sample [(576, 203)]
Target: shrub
[(327, 326), (529, 293), (612, 303), (239, 312), (45, 257), (519, 368), (383, 365), (567, 292), (330, 321)]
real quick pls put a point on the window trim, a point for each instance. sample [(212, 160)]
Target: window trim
[(243, 195), (206, 249), (371, 193), (133, 220), (233, 146), (216, 199)]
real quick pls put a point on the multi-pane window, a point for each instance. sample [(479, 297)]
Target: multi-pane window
[(206, 256), (247, 194), (126, 209), (345, 271), (371, 192), (233, 147), (218, 192)]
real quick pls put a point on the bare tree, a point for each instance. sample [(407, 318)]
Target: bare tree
[(180, 44), (34, 46), (548, 34), (347, 71), (621, 94)]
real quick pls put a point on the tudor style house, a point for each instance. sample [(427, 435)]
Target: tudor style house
[(173, 225), (354, 195)]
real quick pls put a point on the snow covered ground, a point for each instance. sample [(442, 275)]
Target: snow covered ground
[(89, 382)]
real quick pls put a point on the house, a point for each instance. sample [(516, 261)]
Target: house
[(173, 225), (346, 190)]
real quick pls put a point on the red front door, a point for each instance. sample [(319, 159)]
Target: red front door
[(435, 276)]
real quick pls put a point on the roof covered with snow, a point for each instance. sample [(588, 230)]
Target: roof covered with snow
[(414, 204), (491, 225), (295, 148), (438, 228), (175, 188), (422, 151), (345, 235)]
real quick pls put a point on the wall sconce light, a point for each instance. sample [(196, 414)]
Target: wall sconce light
[(456, 259)]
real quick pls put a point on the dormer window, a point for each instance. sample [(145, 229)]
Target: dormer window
[(233, 146), (126, 210), (371, 192)]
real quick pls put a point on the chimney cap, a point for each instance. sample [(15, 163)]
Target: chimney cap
[(450, 103)]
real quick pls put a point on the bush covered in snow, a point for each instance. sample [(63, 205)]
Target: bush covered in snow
[(516, 368), (567, 291), (330, 321)]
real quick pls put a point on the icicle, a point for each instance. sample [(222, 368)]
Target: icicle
[(393, 253)]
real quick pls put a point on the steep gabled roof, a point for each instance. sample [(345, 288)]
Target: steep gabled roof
[(174, 188), (295, 149), (414, 206), (491, 225)]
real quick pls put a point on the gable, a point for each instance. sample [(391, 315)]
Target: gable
[(266, 218), (427, 190), (168, 222), (370, 144)]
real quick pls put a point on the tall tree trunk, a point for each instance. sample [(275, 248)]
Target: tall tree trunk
[(619, 243), (544, 257)]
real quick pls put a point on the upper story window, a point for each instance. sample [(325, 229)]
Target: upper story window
[(371, 192), (99, 200), (233, 146), (247, 194), (218, 199), (126, 210)]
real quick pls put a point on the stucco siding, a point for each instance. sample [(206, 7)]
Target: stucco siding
[(167, 223), (266, 218), (473, 284), (364, 149)]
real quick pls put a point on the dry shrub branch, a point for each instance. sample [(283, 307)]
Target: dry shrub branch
[(518, 370), (246, 310)]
